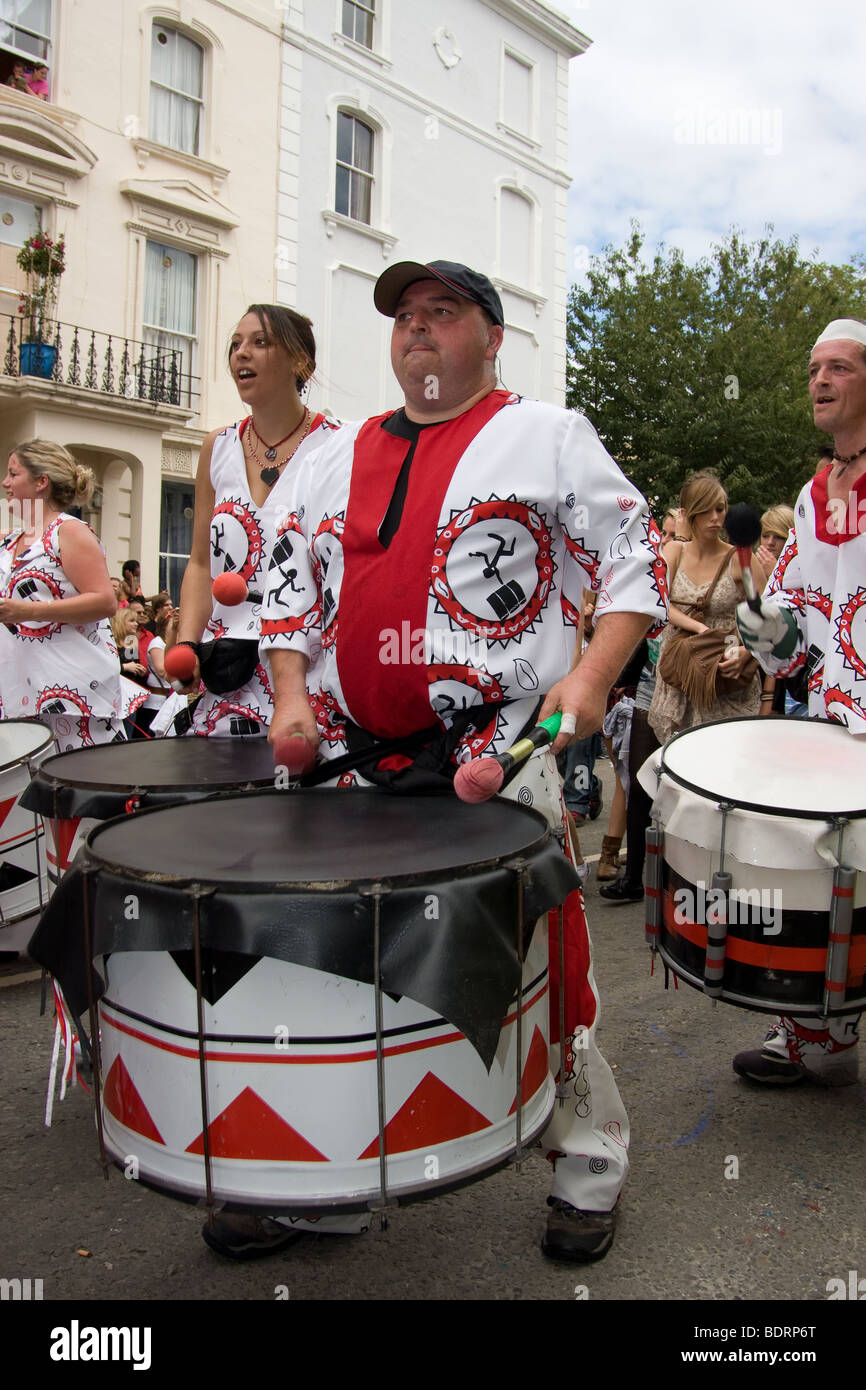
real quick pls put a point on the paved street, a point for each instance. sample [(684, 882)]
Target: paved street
[(792, 1219)]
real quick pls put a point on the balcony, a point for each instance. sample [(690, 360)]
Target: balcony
[(115, 368)]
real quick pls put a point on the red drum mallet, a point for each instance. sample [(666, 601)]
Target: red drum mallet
[(481, 778)]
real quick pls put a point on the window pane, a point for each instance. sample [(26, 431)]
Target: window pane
[(169, 289), (363, 147), (361, 189), (344, 138), (28, 14), (342, 198), (188, 61)]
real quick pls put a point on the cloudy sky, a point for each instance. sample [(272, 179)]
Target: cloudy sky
[(693, 115)]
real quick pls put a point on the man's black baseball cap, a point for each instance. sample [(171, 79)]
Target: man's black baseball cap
[(468, 283)]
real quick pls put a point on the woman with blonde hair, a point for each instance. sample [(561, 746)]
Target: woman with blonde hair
[(776, 522), (58, 660), (705, 585)]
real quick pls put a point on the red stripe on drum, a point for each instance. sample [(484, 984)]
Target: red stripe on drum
[(842, 892), (807, 959), (837, 988), (311, 1059)]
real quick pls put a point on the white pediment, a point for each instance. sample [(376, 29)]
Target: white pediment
[(181, 197)]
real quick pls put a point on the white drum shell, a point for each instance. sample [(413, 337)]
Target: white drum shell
[(23, 745), (323, 1088)]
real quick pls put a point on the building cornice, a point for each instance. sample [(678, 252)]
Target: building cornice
[(343, 62), (544, 22)]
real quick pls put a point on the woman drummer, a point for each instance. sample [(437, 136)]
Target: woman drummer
[(243, 486), (58, 661)]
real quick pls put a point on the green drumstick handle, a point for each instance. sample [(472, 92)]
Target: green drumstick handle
[(542, 734)]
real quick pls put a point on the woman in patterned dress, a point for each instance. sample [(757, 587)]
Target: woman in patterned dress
[(58, 660), (691, 569), (243, 487)]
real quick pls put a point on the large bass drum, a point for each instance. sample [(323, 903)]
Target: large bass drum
[(315, 1000)]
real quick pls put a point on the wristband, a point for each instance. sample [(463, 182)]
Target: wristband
[(194, 645)]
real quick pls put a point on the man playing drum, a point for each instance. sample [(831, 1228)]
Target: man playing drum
[(429, 579), (814, 618)]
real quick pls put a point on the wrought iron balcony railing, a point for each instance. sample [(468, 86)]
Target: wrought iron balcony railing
[(108, 363)]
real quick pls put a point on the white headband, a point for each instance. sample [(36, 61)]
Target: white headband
[(843, 328)]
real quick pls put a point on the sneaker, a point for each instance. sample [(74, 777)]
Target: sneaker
[(245, 1236), (794, 1050), (768, 1069), (577, 1237), (621, 891)]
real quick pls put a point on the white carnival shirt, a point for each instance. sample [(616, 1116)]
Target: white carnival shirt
[(422, 578), (820, 577), (240, 534), (49, 667)]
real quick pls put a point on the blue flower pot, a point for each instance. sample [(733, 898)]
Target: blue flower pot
[(37, 359)]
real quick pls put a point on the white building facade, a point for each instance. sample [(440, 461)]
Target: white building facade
[(201, 155)]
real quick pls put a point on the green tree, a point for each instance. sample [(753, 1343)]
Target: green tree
[(682, 367)]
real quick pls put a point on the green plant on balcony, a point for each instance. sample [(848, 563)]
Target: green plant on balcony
[(43, 260)]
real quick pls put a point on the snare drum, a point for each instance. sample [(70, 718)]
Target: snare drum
[(23, 883), (756, 874), (76, 790), (371, 971)]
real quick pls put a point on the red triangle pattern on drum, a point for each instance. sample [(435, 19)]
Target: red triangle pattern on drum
[(433, 1114), (122, 1100), (6, 807), (64, 833), (249, 1128), (535, 1071)]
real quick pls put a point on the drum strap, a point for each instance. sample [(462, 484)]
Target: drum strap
[(415, 763)]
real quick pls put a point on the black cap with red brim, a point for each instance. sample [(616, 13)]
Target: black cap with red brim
[(465, 282)]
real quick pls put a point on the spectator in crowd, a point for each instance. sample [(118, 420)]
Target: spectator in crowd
[(57, 656), (37, 82), (131, 579), (18, 76)]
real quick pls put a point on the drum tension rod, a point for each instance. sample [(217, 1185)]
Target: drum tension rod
[(377, 892), (198, 893), (518, 867), (95, 1050)]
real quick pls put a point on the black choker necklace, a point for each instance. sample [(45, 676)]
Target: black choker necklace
[(844, 462)]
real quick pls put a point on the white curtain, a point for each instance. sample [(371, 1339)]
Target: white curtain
[(175, 92), (169, 289)]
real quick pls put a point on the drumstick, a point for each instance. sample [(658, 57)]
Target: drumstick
[(743, 526), (481, 778)]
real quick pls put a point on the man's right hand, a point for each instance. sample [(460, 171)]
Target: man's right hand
[(293, 715), (773, 630)]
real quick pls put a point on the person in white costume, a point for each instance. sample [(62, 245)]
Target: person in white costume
[(814, 614), (58, 659), (429, 579), (242, 488)]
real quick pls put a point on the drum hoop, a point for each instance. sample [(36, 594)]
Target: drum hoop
[(785, 813), (99, 863), (53, 781), (31, 753)]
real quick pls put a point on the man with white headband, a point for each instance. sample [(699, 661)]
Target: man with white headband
[(812, 615), (470, 520)]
